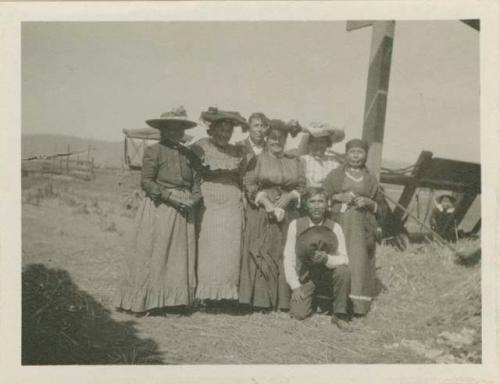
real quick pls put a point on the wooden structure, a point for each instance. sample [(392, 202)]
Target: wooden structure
[(69, 164), (460, 177), (377, 87), (136, 141)]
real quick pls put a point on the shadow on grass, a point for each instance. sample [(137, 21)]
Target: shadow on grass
[(62, 324)]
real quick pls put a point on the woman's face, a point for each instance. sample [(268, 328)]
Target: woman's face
[(356, 157), (175, 133), (222, 132), (318, 146), (276, 141)]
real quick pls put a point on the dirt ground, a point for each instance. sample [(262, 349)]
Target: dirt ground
[(428, 310)]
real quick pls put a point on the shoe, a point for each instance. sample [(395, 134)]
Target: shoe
[(341, 321)]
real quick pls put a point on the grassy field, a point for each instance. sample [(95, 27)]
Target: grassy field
[(427, 310)]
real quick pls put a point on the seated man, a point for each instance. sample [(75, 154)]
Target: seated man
[(443, 218), (315, 260)]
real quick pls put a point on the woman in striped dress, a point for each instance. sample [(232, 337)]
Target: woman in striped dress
[(221, 217)]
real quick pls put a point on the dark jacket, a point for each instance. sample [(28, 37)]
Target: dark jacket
[(165, 168)]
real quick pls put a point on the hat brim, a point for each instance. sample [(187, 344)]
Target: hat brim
[(235, 122), (171, 123)]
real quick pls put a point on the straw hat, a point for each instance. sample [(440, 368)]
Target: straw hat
[(319, 130), (177, 118)]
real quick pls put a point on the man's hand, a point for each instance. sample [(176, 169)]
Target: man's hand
[(319, 257), (298, 294)]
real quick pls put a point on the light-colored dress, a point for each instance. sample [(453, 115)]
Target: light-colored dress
[(317, 168), (160, 265), (221, 219)]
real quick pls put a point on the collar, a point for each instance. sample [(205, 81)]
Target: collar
[(255, 145), (312, 224)]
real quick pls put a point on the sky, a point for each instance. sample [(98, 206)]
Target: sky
[(93, 79)]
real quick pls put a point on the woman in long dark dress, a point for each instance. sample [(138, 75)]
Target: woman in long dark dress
[(160, 268), (353, 192), (274, 183)]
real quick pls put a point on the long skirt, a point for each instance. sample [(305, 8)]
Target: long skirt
[(219, 245), (160, 269), (262, 277), (360, 243)]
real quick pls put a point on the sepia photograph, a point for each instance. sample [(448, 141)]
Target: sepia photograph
[(253, 192), (241, 192)]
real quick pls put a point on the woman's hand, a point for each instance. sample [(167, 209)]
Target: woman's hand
[(298, 294), (346, 197), (364, 202), (284, 200)]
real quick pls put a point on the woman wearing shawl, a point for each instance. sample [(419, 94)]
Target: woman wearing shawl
[(273, 183), (353, 192), (161, 264)]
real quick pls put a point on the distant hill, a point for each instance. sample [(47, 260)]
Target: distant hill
[(105, 153)]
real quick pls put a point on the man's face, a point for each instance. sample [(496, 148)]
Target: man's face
[(316, 206), (258, 130), (446, 203)]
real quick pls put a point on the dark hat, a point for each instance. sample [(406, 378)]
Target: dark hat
[(440, 198), (214, 114), (292, 127), (315, 238), (178, 116), (357, 143)]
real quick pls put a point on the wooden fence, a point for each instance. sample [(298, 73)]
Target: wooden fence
[(81, 169)]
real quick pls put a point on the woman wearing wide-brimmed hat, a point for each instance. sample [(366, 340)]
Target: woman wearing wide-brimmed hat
[(221, 217), (354, 194), (317, 163), (273, 183), (161, 265)]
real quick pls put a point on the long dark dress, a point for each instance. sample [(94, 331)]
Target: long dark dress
[(262, 279), (359, 226), (160, 265)]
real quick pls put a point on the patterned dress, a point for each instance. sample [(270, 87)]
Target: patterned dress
[(160, 267), (221, 220), (262, 279), (359, 226), (317, 168)]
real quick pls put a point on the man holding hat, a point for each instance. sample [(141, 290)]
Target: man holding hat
[(316, 262)]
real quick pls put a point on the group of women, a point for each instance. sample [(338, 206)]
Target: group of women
[(213, 225)]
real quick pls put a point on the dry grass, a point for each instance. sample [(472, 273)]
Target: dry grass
[(428, 309)]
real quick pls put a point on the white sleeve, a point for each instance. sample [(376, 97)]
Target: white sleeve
[(340, 257), (289, 257)]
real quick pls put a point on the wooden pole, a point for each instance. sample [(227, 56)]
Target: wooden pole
[(377, 91), (67, 160)]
